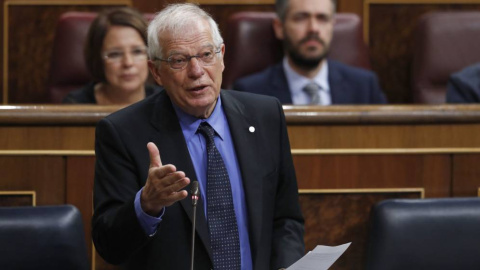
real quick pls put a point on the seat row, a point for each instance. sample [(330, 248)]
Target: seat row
[(405, 234), (445, 43)]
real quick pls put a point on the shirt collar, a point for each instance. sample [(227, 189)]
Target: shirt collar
[(296, 82), (189, 123)]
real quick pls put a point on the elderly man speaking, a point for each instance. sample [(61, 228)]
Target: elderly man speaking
[(234, 144)]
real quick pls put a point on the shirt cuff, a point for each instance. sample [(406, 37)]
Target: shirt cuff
[(148, 223)]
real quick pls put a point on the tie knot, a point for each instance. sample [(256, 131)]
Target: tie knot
[(312, 90), (207, 131)]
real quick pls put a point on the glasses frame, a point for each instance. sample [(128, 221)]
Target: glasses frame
[(188, 58)]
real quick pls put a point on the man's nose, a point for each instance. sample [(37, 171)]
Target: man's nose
[(195, 68), (313, 25)]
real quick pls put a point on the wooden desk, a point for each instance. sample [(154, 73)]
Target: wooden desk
[(347, 158)]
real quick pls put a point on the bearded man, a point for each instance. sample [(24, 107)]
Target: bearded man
[(306, 76)]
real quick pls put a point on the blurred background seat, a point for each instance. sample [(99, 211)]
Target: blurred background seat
[(43, 237), (251, 45), (445, 42), (67, 67), (68, 70), (417, 234)]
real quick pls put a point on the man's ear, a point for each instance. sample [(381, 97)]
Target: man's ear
[(154, 70), (278, 28), (223, 56)]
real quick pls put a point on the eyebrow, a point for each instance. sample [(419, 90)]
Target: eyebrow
[(173, 52), (307, 13), (127, 48)]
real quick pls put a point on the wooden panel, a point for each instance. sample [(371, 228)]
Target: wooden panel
[(431, 172), (47, 138), (79, 190), (390, 35), (338, 218), (49, 149), (350, 6), (80, 177), (42, 174), (17, 198), (466, 175), (383, 136)]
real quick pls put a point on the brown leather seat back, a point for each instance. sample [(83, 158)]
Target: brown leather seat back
[(68, 70), (445, 42)]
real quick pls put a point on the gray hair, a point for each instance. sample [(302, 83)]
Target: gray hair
[(281, 7), (176, 18)]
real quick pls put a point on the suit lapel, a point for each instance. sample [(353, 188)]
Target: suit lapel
[(246, 143), (340, 93), (173, 150), (279, 86)]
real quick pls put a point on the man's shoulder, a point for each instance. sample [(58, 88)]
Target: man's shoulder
[(344, 69), (468, 74), (248, 97), (258, 79)]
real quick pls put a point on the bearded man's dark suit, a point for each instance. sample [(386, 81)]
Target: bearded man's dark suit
[(464, 86), (348, 85), (275, 222)]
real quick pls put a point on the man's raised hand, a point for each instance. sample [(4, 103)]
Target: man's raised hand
[(164, 184)]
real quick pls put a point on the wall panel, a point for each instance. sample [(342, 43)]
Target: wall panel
[(466, 175), (79, 190), (45, 175)]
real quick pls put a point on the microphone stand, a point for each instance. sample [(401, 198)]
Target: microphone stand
[(195, 195)]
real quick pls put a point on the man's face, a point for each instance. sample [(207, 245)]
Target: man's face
[(307, 31), (196, 87)]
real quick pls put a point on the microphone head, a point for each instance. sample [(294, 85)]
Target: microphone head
[(194, 191)]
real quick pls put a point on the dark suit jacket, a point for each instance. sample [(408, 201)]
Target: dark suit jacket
[(464, 86), (348, 85), (275, 221)]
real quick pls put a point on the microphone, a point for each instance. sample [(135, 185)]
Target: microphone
[(195, 192)]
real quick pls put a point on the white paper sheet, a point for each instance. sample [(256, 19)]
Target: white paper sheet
[(320, 258)]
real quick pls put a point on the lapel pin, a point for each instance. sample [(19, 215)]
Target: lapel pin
[(251, 129)]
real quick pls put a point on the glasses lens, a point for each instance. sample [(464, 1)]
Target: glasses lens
[(115, 56), (177, 61), (207, 57), (180, 61), (139, 54)]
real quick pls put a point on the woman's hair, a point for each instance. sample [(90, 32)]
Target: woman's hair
[(123, 16)]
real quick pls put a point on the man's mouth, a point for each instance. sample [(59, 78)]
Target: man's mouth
[(312, 41), (198, 88)]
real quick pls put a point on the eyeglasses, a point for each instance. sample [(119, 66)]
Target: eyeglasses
[(115, 56), (180, 61)]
